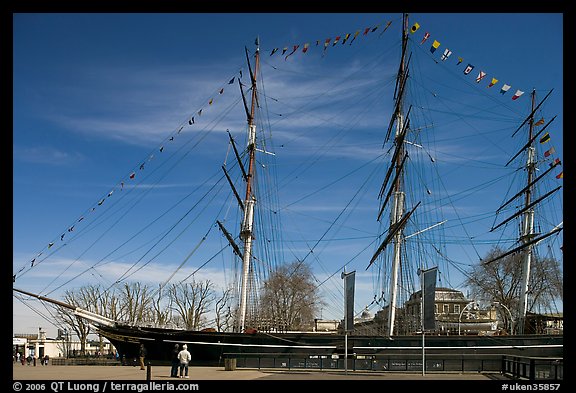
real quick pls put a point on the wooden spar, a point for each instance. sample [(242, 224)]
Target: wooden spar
[(80, 312), (526, 207), (530, 141), (243, 98), (46, 299), (391, 188), (230, 239), (233, 188), (399, 145), (394, 229), (532, 113), (244, 175), (521, 247), (528, 186), (252, 74), (397, 107), (426, 229)]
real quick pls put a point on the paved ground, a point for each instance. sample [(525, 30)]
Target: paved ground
[(162, 373)]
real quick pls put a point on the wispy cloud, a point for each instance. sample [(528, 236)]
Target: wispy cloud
[(85, 272), (145, 105), (47, 155)]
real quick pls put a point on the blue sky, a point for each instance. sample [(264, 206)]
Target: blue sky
[(94, 95)]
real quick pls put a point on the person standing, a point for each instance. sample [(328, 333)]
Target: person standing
[(184, 357), (175, 361), (142, 356)]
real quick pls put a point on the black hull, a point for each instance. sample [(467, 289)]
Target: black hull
[(210, 348)]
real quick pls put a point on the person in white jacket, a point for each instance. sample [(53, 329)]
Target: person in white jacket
[(185, 358)]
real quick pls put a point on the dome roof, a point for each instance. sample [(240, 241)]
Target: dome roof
[(366, 314)]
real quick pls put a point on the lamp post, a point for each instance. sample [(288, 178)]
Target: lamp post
[(462, 312), (509, 313)]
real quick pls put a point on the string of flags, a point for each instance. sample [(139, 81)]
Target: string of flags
[(468, 68), (287, 51), (548, 153), (349, 38), (492, 82), (326, 43), (190, 122), (290, 50)]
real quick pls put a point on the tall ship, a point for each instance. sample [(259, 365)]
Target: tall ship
[(397, 217)]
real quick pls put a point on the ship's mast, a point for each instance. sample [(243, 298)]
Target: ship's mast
[(397, 209), (249, 200), (528, 238), (527, 225)]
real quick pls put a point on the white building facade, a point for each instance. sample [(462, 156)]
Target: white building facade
[(38, 346)]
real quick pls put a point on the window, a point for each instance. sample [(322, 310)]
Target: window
[(446, 308), (457, 308)]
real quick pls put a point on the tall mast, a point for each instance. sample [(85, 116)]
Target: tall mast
[(250, 199), (528, 237), (397, 210), (527, 225)]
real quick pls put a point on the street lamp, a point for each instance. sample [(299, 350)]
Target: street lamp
[(509, 313), (473, 302)]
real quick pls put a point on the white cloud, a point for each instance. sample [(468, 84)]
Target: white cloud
[(47, 155)]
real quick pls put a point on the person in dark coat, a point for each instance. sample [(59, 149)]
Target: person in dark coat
[(175, 361), (142, 356)]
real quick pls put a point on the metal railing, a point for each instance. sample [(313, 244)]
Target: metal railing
[(514, 367), (371, 362), (533, 368)]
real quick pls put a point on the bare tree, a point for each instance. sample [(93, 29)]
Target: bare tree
[(109, 305), (290, 300), (500, 281), (135, 304), (191, 301), (161, 311), (92, 298), (224, 315), (86, 298)]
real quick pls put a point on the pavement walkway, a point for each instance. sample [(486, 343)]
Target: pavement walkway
[(162, 373)]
